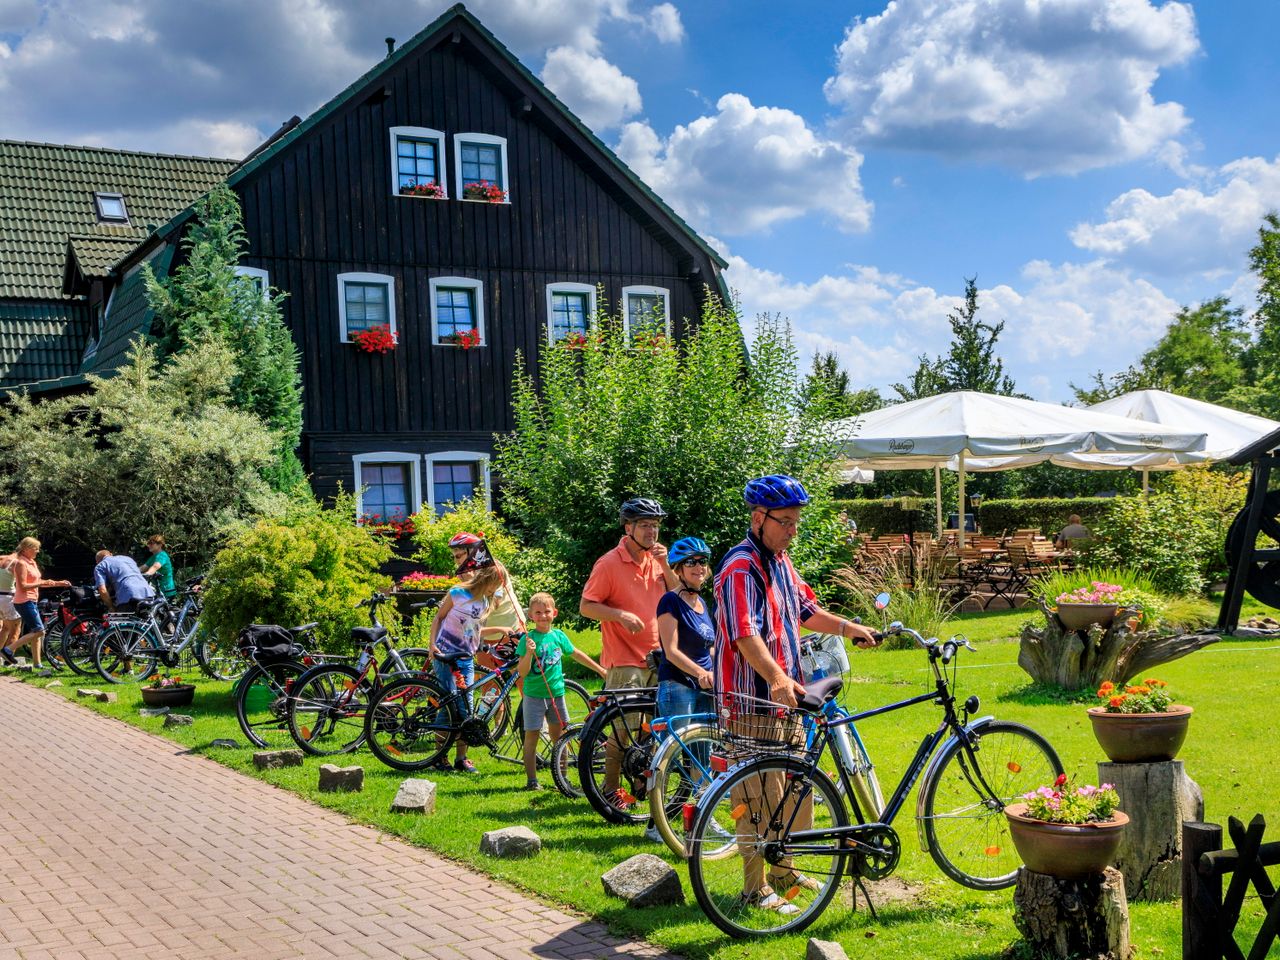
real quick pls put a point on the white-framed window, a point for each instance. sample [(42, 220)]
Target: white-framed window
[(571, 308), (388, 484), (480, 158), (646, 311), (457, 310), (417, 159), (260, 278), (365, 301), (110, 208), (457, 475)]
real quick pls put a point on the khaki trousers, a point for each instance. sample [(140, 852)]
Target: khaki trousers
[(618, 678)]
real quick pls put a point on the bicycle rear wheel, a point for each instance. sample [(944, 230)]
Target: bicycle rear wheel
[(734, 817), (218, 664), (411, 723), (614, 756), (965, 827), (52, 643), (326, 709), (78, 641), (125, 653), (681, 774), (262, 702)]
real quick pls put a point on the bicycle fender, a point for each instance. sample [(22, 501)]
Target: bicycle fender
[(973, 726)]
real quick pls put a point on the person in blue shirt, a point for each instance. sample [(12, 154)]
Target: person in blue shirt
[(687, 634), (119, 581)]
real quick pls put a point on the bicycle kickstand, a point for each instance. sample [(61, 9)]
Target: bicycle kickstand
[(866, 896)]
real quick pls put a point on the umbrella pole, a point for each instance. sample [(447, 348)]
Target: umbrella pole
[(960, 514), (937, 496), (1145, 489)]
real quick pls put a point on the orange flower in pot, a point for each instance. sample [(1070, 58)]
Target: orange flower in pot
[(1139, 722)]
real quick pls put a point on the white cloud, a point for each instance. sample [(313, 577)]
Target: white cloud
[(1205, 230), (747, 168), (592, 87), (664, 21), (1061, 322), (1043, 86)]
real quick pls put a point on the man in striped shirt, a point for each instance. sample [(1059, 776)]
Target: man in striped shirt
[(761, 603)]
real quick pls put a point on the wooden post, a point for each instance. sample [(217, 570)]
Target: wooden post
[(1201, 895), (1159, 797), (1073, 918)]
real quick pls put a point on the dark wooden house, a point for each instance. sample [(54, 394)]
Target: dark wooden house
[(449, 197)]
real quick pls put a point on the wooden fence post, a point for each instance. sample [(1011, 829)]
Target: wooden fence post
[(1201, 895)]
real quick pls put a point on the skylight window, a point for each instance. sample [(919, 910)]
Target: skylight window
[(111, 208)]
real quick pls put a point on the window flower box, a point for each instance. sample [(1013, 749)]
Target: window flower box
[(429, 190), (466, 339), (377, 339), (484, 191)]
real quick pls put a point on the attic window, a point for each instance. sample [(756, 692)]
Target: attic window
[(111, 208)]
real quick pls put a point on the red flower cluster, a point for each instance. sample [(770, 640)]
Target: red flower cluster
[(428, 188), (395, 526), (377, 339), (484, 190), (574, 341), (466, 339)]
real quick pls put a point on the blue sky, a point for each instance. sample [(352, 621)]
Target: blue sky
[(1095, 163)]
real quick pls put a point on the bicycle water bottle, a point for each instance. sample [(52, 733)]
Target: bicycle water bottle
[(490, 695), (363, 661)]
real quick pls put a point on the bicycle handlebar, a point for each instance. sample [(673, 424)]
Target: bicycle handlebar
[(949, 648)]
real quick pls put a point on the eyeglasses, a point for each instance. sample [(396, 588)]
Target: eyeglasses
[(784, 524), (696, 563)]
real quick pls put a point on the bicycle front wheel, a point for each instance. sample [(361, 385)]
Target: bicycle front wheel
[(78, 640), (411, 723), (681, 774), (964, 823), (752, 812), (327, 708), (614, 756), (262, 702), (125, 653)]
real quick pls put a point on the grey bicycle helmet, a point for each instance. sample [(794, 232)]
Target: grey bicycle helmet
[(641, 508)]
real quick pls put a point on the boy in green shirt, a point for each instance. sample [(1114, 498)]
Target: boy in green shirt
[(541, 652)]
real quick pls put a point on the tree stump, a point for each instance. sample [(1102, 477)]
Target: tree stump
[(1076, 659), (1073, 918), (1158, 797)]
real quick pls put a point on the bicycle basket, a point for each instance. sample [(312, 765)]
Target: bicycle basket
[(827, 657), (267, 642), (752, 725)]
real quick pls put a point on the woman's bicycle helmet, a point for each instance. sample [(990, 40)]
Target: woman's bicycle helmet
[(687, 549), (641, 508), (776, 492), (463, 540)]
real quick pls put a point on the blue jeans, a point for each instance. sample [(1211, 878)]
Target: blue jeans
[(444, 674), (676, 700)]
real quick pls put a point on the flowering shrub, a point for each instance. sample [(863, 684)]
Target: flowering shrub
[(484, 190), (1095, 592), (429, 189), (1149, 696), (377, 339), (426, 581), (648, 340), (396, 526), (1061, 803), (574, 341), (466, 339), (161, 683)]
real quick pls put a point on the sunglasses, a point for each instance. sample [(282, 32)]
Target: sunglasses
[(696, 563)]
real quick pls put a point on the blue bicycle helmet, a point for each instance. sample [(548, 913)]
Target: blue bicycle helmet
[(776, 492), (686, 549)]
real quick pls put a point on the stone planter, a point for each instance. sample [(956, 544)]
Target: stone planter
[(1068, 851), (1079, 616), (179, 695), (1140, 737)]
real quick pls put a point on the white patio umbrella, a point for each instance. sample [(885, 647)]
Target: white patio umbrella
[(930, 432), (1226, 431)]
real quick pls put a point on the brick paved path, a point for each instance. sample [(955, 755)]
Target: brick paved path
[(153, 854)]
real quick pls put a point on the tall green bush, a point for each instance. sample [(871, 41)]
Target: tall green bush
[(688, 423), (884, 517), (311, 563), (14, 525), (432, 533)]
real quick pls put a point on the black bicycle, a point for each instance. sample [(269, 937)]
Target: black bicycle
[(278, 656), (615, 751), (773, 837)]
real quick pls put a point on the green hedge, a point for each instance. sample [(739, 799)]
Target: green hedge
[(1049, 514), (883, 517)]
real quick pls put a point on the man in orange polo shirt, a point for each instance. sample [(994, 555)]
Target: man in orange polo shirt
[(623, 593)]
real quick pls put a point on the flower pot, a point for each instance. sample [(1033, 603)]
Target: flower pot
[(1068, 851), (1078, 616), (405, 599), (1140, 737), (178, 695)]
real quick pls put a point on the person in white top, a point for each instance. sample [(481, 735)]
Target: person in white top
[(10, 619)]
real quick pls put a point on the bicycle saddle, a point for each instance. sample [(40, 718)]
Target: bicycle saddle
[(367, 635), (819, 692), (304, 628)]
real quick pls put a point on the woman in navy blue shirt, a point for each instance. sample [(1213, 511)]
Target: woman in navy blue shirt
[(687, 633)]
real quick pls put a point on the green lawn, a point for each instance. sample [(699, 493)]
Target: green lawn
[(1230, 752)]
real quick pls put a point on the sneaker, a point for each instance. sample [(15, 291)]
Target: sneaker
[(766, 899), (465, 766), (533, 785), (443, 765), (622, 800), (9, 658), (652, 835)]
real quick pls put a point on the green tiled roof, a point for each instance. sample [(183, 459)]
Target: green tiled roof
[(130, 316), (46, 196), (41, 341), (96, 255)]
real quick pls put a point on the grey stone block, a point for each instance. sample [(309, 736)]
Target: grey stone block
[(178, 720), (83, 692), (644, 881), (824, 950), (415, 796), (153, 711), (106, 696), (222, 742), (335, 779), (272, 759), (510, 843), (53, 683)]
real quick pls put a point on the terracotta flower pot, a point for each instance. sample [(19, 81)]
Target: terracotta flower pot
[(1140, 737), (1078, 616), (178, 695), (1068, 851)]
